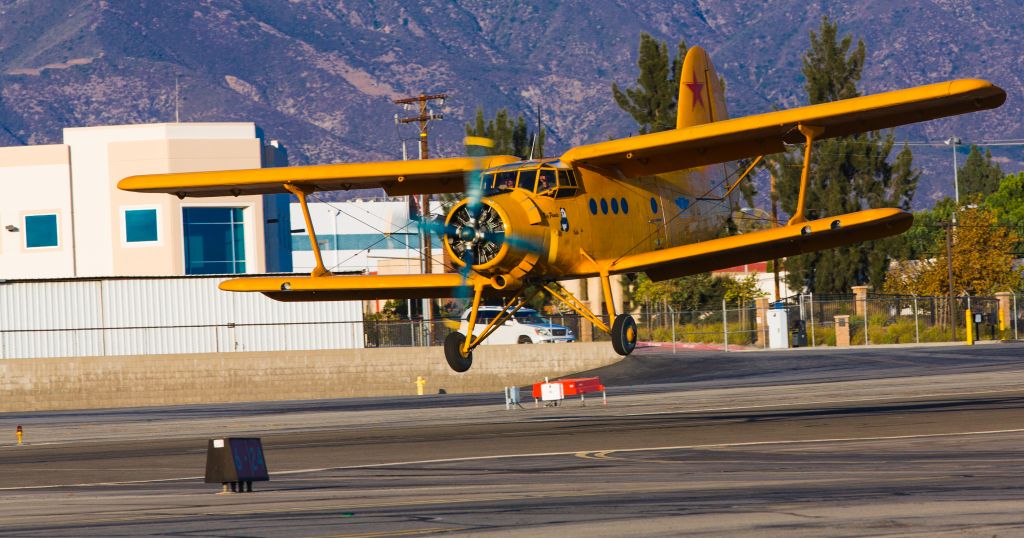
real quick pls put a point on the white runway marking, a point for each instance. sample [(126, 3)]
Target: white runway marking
[(547, 454)]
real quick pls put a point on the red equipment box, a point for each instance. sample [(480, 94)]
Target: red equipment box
[(572, 386)]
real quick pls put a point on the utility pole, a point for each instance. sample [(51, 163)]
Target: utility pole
[(177, 99), (775, 224), (949, 266), (424, 117)]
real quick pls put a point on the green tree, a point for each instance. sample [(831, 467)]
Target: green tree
[(847, 174), (510, 136), (1007, 203), (979, 175), (685, 293), (983, 259), (652, 102)]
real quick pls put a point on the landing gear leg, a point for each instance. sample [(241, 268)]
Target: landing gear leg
[(623, 330), (458, 348)]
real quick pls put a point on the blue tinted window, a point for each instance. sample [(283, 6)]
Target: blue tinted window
[(604, 206), (615, 206), (625, 206), (140, 225), (654, 206), (214, 240), (593, 206), (40, 231)]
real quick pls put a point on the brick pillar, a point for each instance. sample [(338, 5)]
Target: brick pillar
[(761, 313), (860, 299), (842, 331)]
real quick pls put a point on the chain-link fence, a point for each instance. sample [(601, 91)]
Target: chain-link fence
[(858, 320)]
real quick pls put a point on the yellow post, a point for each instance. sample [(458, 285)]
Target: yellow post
[(970, 328), (19, 432), (420, 382)]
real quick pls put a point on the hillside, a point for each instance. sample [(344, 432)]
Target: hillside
[(320, 76)]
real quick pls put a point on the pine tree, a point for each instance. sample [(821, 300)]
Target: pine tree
[(511, 137), (979, 175), (652, 102), (847, 174)]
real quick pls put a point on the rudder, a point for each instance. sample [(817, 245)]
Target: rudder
[(701, 95)]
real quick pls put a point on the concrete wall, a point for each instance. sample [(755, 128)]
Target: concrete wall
[(136, 381)]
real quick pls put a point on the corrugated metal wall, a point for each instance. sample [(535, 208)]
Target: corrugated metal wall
[(156, 315)]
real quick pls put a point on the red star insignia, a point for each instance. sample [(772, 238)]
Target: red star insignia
[(698, 91)]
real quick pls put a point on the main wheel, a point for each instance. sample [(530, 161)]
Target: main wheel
[(453, 352), (624, 334), (524, 340)]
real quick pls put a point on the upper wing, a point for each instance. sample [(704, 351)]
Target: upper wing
[(428, 176), (764, 134), (766, 244), (355, 287)]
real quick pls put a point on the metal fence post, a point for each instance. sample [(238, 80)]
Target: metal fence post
[(1015, 314), (812, 318), (917, 328), (672, 321), (725, 325), (866, 340)]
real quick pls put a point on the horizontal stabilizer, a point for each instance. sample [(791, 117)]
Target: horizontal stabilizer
[(734, 250)]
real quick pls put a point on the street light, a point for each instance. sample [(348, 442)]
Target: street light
[(954, 141)]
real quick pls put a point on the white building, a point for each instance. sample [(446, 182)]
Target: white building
[(371, 236), (61, 214)]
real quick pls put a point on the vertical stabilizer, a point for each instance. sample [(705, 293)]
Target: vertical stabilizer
[(701, 95)]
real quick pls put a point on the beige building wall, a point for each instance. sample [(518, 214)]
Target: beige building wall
[(167, 255), (35, 180), (77, 181)]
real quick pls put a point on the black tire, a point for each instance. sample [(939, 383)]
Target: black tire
[(524, 340), (624, 334), (453, 352)]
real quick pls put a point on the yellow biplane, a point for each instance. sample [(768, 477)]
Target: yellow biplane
[(651, 203)]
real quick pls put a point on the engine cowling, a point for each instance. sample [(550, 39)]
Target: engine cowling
[(494, 236)]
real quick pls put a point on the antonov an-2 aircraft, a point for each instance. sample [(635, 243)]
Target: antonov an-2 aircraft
[(651, 203)]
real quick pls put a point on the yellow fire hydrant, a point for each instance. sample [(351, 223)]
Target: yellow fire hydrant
[(19, 432), (420, 382)]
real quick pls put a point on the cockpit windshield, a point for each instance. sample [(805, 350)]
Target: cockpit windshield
[(544, 179)]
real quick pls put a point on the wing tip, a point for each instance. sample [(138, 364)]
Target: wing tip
[(986, 94)]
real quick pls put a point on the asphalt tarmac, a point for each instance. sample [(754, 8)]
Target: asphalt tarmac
[(898, 441)]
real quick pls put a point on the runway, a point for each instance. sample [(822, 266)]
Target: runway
[(922, 441)]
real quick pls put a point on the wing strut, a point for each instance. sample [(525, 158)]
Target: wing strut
[(300, 192), (810, 132)]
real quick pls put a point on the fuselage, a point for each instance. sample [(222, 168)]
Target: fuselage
[(555, 216)]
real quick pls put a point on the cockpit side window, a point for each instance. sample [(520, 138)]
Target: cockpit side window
[(566, 184), (486, 181), (527, 178), (505, 181), (546, 182)]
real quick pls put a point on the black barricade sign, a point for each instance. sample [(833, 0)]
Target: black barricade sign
[(235, 459)]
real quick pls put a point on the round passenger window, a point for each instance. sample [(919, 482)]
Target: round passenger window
[(604, 206), (625, 206), (654, 206), (593, 206), (615, 206)]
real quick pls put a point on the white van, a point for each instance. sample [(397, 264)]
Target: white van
[(525, 327)]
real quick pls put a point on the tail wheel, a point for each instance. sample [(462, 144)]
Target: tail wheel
[(624, 334), (453, 352)]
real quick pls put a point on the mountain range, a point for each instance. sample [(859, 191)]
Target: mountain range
[(321, 76)]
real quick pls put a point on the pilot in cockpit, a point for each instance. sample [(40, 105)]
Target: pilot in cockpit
[(545, 181)]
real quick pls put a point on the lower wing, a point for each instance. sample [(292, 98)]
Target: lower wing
[(356, 287), (766, 244)]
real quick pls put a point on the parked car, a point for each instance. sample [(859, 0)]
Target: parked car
[(525, 327)]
